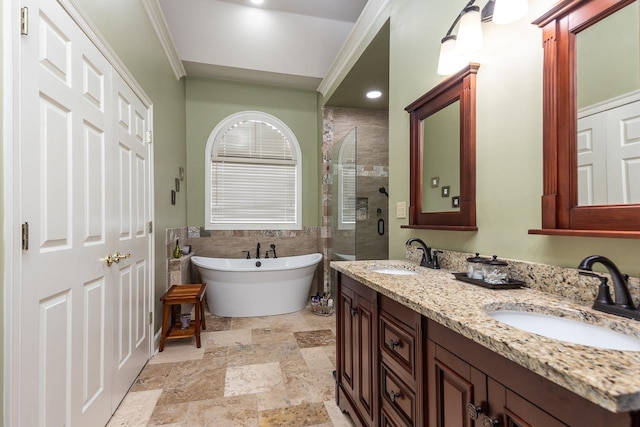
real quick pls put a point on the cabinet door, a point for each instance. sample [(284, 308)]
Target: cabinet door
[(457, 393), (366, 360), (346, 340), (517, 411), (356, 351)]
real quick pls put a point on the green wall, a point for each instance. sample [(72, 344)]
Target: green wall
[(209, 101), (509, 137), (127, 29)]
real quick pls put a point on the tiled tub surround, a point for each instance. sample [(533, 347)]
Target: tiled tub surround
[(608, 378), (232, 243)]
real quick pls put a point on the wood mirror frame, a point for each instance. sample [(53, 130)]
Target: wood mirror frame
[(459, 87), (561, 214)]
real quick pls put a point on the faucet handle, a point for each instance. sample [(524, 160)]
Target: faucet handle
[(248, 254), (604, 296), (434, 254)]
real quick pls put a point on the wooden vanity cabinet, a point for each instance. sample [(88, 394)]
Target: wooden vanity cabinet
[(471, 386), (396, 368), (357, 351)]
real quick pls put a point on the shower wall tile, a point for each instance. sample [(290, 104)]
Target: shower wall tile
[(372, 161)]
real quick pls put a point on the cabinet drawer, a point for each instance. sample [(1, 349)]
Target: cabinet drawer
[(398, 342), (397, 395), (388, 417)]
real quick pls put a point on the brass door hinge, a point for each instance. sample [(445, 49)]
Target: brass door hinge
[(24, 21), (150, 227), (151, 317)]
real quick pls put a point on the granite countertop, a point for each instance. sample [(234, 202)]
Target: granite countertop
[(609, 378)]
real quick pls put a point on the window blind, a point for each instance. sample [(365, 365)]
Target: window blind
[(347, 199), (254, 178), (250, 193)]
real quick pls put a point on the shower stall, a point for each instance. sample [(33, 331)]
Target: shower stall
[(358, 164)]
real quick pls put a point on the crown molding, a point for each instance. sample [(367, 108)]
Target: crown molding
[(372, 18), (154, 12)]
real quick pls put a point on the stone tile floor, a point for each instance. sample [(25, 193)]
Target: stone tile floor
[(249, 372)]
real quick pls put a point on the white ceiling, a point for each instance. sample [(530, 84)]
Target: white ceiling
[(284, 42)]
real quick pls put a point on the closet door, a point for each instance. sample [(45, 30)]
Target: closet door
[(130, 177), (83, 188)]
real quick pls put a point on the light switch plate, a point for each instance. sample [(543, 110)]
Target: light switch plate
[(401, 210)]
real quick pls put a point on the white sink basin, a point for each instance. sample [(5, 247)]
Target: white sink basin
[(568, 330), (395, 271)]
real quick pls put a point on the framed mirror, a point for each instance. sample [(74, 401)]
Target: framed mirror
[(591, 133), (442, 164)]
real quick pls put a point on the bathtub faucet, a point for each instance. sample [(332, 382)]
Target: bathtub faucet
[(258, 251), (273, 249)]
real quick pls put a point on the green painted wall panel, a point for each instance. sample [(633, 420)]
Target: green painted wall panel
[(509, 137), (209, 101)]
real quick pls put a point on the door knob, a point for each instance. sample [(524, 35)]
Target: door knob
[(116, 258)]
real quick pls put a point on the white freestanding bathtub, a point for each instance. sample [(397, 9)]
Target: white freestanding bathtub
[(257, 287)]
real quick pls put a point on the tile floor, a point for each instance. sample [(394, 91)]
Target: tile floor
[(253, 372)]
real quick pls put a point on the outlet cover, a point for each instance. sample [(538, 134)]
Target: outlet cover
[(401, 210)]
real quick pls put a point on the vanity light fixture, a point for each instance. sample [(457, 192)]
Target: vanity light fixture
[(374, 94), (454, 48)]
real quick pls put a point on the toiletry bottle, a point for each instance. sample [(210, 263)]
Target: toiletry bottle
[(176, 251)]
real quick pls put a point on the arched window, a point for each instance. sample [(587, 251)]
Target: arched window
[(253, 174)]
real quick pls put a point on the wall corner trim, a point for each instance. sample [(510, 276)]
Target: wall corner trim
[(373, 17), (159, 23)]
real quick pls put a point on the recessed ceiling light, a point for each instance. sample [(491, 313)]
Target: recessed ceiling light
[(257, 1), (373, 94)]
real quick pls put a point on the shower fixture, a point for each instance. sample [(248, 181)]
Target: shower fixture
[(383, 191)]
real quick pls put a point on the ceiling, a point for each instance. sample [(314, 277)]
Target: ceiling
[(290, 43)]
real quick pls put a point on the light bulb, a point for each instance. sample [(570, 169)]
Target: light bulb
[(373, 94), (508, 11), (450, 60), (469, 38)]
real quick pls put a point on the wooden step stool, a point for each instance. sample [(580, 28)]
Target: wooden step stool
[(171, 300)]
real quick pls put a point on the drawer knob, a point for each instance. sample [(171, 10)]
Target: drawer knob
[(393, 344), (394, 395), (353, 311), (473, 411), (488, 422)]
